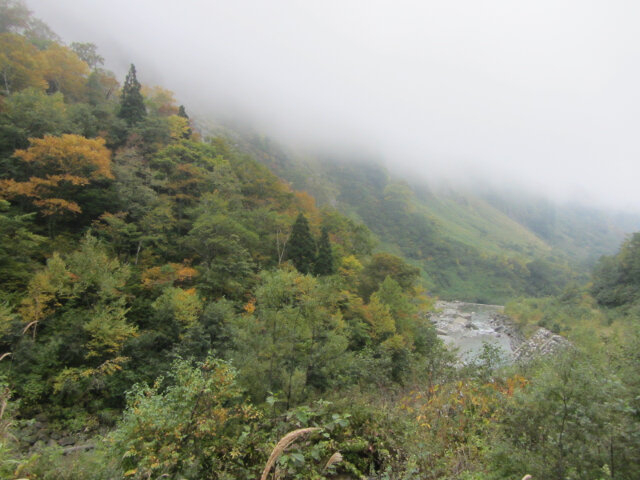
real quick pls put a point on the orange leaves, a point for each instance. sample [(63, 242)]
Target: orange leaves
[(158, 276), (250, 306), (69, 154), (186, 273), (169, 274), (30, 189), (11, 188), (305, 202), (455, 410), (54, 180), (36, 188), (517, 382), (68, 159), (57, 206)]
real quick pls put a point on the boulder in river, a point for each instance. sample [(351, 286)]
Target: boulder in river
[(543, 342)]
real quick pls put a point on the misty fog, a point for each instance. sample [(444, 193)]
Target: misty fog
[(543, 94)]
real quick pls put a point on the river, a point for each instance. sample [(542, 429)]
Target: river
[(467, 326)]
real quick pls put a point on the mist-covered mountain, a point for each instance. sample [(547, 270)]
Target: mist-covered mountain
[(482, 244), (171, 308)]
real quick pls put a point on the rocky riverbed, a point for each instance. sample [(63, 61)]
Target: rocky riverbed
[(467, 326)]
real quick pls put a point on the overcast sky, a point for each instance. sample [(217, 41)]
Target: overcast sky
[(544, 93)]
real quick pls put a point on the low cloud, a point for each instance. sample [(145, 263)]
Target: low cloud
[(543, 94)]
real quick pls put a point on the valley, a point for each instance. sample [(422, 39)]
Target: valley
[(468, 326), (184, 297)]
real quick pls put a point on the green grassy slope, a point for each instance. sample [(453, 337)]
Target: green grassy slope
[(472, 220), (582, 233)]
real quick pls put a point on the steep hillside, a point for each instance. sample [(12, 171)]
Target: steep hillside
[(132, 253), (470, 219), (171, 308), (466, 248), (483, 245), (582, 233)]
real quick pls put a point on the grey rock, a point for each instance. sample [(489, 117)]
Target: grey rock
[(78, 448), (66, 441), (39, 445), (543, 342)]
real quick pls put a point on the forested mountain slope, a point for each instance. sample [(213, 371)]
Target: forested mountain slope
[(476, 245), (127, 243), (582, 233), (171, 308)]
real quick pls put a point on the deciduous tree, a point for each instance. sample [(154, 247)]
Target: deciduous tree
[(56, 162), (384, 265), (31, 113), (193, 429), (88, 53), (18, 246), (76, 302), (64, 72), (14, 16), (19, 64), (291, 338)]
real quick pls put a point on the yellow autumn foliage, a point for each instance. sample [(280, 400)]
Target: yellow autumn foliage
[(70, 159), (69, 154)]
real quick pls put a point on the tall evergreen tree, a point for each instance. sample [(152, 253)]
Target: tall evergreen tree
[(183, 113), (324, 262), (132, 107), (302, 249)]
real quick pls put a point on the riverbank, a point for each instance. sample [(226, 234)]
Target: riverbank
[(467, 326)]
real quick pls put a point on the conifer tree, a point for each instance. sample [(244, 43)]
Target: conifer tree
[(132, 107), (183, 113), (324, 262), (302, 250)]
